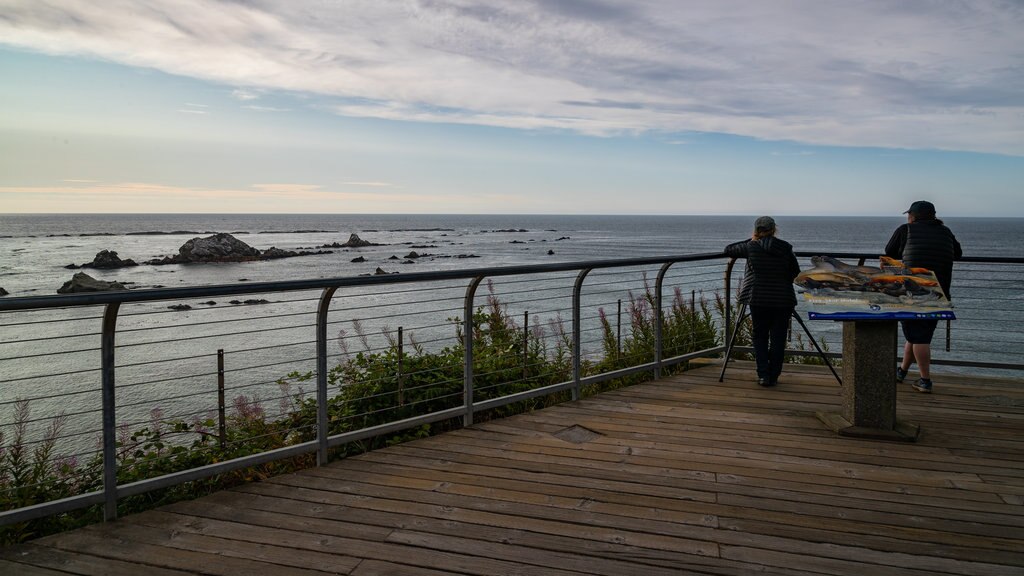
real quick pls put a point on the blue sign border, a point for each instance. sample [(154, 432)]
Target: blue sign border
[(943, 315)]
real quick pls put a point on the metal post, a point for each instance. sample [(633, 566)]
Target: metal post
[(577, 366), (467, 361), (526, 343), (659, 319), (321, 375), (949, 335), (728, 299), (693, 320), (618, 335), (401, 387), (222, 428), (109, 412)]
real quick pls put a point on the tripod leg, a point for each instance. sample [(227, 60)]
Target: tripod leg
[(816, 347), (740, 315)]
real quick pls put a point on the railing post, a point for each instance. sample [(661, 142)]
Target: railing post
[(222, 428), (728, 298), (526, 343), (401, 383), (467, 339), (321, 375), (577, 366), (693, 319), (659, 318), (109, 412), (618, 335)]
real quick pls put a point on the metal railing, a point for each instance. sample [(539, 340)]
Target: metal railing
[(144, 355)]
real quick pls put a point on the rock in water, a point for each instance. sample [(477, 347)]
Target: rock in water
[(82, 282), (108, 259), (3, 292), (217, 248), (273, 253), (354, 241)]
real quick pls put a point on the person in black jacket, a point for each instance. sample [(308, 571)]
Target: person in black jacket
[(923, 242), (768, 291)]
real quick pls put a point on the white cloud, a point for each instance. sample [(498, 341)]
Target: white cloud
[(266, 108), (244, 95), (369, 184), (936, 75)]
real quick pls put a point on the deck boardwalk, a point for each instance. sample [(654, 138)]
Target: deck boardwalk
[(680, 476)]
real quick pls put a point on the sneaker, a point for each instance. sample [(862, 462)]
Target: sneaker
[(923, 385), (900, 374)]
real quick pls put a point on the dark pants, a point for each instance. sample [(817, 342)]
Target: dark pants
[(769, 335), (919, 331)]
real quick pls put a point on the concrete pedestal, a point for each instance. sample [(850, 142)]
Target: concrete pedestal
[(869, 384)]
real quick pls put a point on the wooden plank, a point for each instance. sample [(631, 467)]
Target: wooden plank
[(113, 541), (65, 562), (256, 540), (659, 476), (16, 568)]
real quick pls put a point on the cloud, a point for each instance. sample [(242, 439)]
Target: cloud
[(938, 75), (266, 108), (369, 184), (244, 95), (136, 197), (191, 108)]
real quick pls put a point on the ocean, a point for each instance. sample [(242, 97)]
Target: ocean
[(167, 360), (36, 248)]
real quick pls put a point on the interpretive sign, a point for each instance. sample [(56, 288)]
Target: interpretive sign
[(836, 290)]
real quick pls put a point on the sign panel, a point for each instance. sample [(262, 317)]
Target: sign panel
[(836, 290)]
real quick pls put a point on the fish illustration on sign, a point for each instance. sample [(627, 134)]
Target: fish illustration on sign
[(834, 286)]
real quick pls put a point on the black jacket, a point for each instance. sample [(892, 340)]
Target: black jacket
[(926, 244), (771, 268)]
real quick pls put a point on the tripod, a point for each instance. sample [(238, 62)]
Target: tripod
[(739, 320)]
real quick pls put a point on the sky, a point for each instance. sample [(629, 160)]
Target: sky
[(780, 107)]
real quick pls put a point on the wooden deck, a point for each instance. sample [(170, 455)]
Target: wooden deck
[(680, 476)]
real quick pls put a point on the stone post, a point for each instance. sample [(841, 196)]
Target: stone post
[(869, 384)]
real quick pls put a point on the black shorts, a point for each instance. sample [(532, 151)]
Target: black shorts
[(919, 331)]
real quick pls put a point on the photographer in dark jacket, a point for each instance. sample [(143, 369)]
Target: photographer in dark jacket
[(768, 292), (923, 242)]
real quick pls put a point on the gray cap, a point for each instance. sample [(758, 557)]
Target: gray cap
[(764, 224)]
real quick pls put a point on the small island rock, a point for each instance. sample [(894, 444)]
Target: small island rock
[(82, 282), (217, 248), (354, 241), (108, 260)]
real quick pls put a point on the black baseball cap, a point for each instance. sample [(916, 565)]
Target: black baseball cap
[(921, 207)]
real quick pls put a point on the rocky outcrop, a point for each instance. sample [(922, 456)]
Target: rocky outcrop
[(82, 282), (105, 260), (358, 259), (3, 292), (273, 253), (225, 248), (354, 241), (108, 260), (217, 248), (412, 255)]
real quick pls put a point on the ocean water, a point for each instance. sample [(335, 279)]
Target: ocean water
[(167, 359), (35, 248)]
